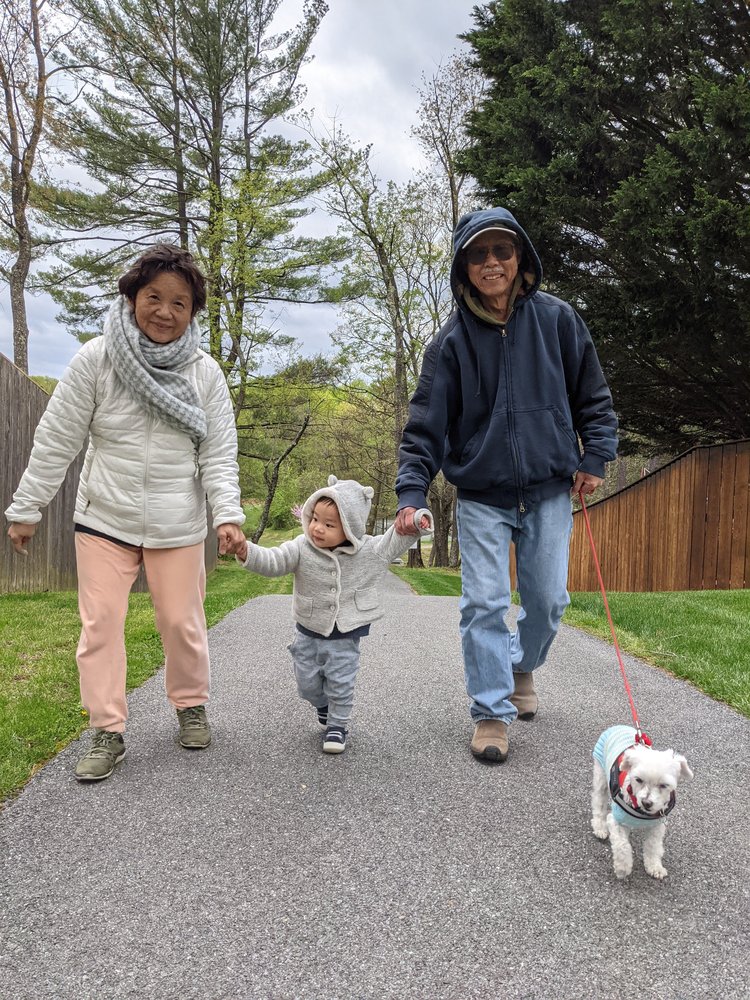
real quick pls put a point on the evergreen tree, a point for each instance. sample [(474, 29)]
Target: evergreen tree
[(619, 134), (178, 126)]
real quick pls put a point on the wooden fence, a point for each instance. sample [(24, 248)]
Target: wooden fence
[(50, 564), (685, 526)]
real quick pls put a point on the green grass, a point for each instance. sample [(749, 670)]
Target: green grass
[(701, 636), (431, 582), (40, 709)]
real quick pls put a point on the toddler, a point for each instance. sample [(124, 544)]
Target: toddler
[(338, 569)]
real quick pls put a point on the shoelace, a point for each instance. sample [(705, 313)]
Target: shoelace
[(193, 718), (102, 745)]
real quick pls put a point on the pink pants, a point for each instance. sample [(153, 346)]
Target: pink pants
[(177, 581)]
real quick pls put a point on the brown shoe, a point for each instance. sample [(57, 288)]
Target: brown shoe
[(524, 697), (490, 740)]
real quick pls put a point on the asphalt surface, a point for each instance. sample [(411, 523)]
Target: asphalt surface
[(263, 868)]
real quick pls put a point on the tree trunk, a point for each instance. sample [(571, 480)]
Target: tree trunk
[(415, 560), (375, 507), (442, 502), (441, 496), (182, 217), (21, 139), (18, 274)]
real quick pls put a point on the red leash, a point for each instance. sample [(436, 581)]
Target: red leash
[(640, 736)]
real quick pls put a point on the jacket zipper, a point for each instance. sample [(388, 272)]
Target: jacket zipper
[(511, 421), (146, 451)]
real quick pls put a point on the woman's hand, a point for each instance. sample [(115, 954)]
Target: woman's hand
[(20, 535), (231, 539)]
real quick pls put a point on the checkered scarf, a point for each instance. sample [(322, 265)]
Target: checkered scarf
[(151, 371)]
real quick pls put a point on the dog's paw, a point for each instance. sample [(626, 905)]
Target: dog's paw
[(599, 826), (656, 871), (622, 864)]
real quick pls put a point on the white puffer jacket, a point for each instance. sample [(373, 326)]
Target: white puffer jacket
[(142, 481)]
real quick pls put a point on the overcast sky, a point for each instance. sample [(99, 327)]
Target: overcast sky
[(369, 59)]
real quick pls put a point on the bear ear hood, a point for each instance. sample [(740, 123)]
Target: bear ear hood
[(353, 501)]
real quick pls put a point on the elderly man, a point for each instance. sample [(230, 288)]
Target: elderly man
[(512, 405)]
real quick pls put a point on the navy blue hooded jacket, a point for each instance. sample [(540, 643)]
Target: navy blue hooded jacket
[(500, 407)]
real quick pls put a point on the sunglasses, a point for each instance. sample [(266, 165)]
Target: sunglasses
[(500, 251)]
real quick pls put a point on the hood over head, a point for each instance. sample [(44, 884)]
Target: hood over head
[(353, 501), (469, 226)]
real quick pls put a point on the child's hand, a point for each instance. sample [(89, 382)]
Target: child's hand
[(423, 520), (241, 552), (230, 537)]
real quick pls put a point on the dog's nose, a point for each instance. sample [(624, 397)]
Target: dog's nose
[(647, 803)]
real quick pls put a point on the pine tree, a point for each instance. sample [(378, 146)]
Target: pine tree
[(178, 126)]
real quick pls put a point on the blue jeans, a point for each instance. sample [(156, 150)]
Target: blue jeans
[(491, 652)]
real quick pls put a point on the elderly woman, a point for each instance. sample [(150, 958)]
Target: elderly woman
[(161, 437)]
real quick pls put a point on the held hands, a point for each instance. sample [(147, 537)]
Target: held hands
[(585, 483), (231, 539), (20, 535), (405, 524)]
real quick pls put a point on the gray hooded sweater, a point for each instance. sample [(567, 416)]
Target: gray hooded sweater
[(335, 587)]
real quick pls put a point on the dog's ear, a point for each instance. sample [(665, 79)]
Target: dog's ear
[(685, 771), (629, 759)]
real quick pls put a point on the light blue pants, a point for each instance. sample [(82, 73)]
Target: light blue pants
[(491, 652), (325, 670)]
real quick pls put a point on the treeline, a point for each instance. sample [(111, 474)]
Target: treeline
[(617, 133)]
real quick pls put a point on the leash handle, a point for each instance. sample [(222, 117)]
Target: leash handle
[(640, 736)]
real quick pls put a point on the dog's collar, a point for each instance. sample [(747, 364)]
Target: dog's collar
[(622, 793)]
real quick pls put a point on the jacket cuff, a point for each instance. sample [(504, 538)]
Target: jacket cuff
[(418, 515), (411, 498), (13, 518), (593, 464)]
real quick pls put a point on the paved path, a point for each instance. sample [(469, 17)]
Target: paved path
[(262, 868)]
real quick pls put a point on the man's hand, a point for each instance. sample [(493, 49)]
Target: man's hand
[(585, 483), (231, 539), (405, 522), (20, 535)]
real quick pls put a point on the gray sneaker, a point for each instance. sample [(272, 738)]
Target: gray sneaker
[(107, 749), (195, 732)]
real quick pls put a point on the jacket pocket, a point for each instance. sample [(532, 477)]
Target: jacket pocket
[(302, 606), (547, 444), (366, 599), (485, 461)]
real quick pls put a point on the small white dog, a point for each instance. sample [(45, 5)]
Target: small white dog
[(634, 788)]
